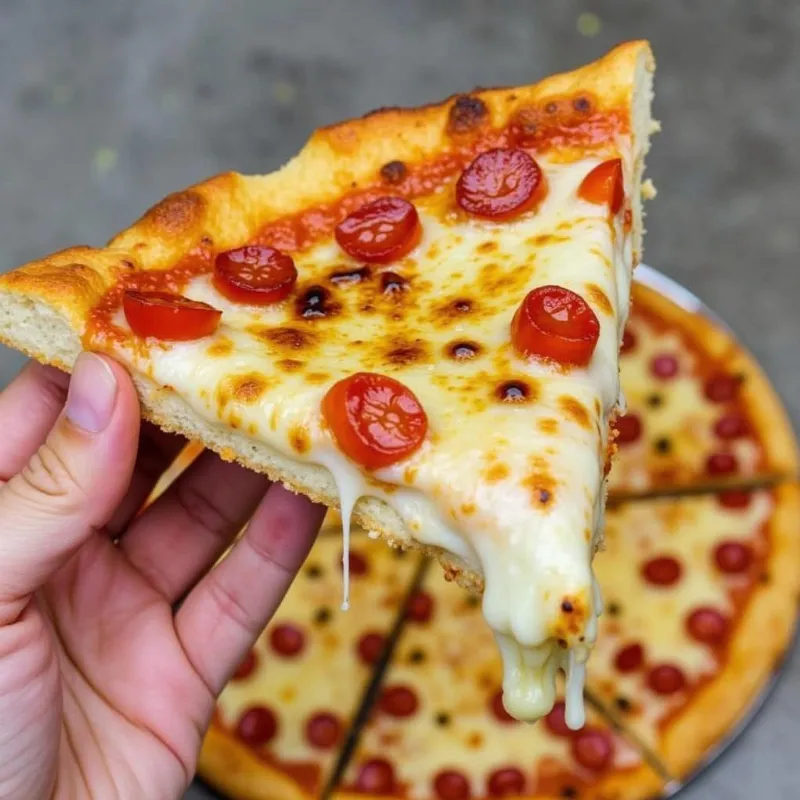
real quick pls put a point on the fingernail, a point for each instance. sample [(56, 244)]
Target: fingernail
[(92, 393)]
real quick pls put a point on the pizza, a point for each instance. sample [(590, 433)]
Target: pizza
[(417, 320), (281, 721), (701, 603), (699, 410)]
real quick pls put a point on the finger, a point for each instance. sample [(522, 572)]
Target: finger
[(223, 615), (72, 483), (181, 535), (29, 406)]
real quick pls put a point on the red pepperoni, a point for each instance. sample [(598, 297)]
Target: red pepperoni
[(629, 428), (375, 777), (731, 426), (662, 571), (506, 782), (358, 564), (664, 366), (164, 315), (707, 625), (499, 710), (556, 720), (257, 726), (734, 498), (500, 184), (451, 785), (604, 184), (287, 640), (721, 464), (370, 647), (722, 388), (593, 748), (246, 667), (323, 730), (399, 701), (254, 274), (420, 609), (666, 679), (733, 557), (630, 658), (628, 341), (381, 231)]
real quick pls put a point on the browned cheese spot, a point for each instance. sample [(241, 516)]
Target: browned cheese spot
[(575, 410), (346, 277), (467, 509), (220, 348), (317, 378), (403, 353), (409, 475), (299, 439), (545, 239), (514, 391), (495, 279), (393, 172), (463, 351), (548, 425), (248, 388), (572, 618), (540, 483), (286, 338), (177, 213), (496, 472), (600, 299), (316, 302), (392, 283), (487, 247), (466, 114), (453, 311), (290, 364)]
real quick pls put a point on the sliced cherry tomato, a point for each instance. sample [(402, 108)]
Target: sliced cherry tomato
[(553, 322), (256, 274), (501, 184), (381, 231), (604, 185), (164, 315), (375, 420)]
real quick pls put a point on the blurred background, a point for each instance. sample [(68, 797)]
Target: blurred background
[(107, 105)]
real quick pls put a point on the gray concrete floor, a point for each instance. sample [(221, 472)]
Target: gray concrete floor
[(106, 105)]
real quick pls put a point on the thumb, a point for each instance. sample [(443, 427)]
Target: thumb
[(72, 484)]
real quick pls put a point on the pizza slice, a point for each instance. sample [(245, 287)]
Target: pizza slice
[(439, 730), (700, 411), (701, 602), (283, 719), (416, 320)]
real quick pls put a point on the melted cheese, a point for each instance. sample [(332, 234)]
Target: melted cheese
[(515, 490)]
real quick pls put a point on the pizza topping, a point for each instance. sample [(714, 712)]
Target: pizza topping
[(499, 710), (323, 730), (628, 427), (506, 782), (593, 748), (604, 184), (375, 777), (722, 388), (392, 283), (451, 785), (316, 303), (513, 392), (463, 351), (666, 679), (721, 464), (420, 609), (370, 647), (350, 276), (664, 366), (556, 720), (168, 316), (257, 726), (734, 498), (555, 323), (630, 658), (707, 625), (731, 426), (358, 564), (662, 571), (246, 667), (381, 231), (287, 640), (398, 701), (628, 341), (394, 171), (466, 114), (500, 184), (256, 274), (375, 420), (733, 557)]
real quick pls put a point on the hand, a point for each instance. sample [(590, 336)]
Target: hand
[(105, 689)]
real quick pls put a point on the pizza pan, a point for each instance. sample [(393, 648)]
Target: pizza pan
[(672, 290)]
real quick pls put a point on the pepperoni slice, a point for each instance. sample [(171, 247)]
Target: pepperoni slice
[(722, 464), (381, 231), (593, 748), (168, 316), (420, 609), (375, 777), (451, 785), (666, 679), (664, 366), (733, 558), (370, 647), (375, 420), (556, 721), (630, 658), (500, 184), (628, 341), (662, 571), (734, 498), (731, 426), (506, 782), (323, 730), (555, 323), (399, 701), (499, 710), (287, 640), (257, 726), (722, 388), (255, 274), (358, 564), (707, 625), (629, 428), (604, 184), (246, 667)]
